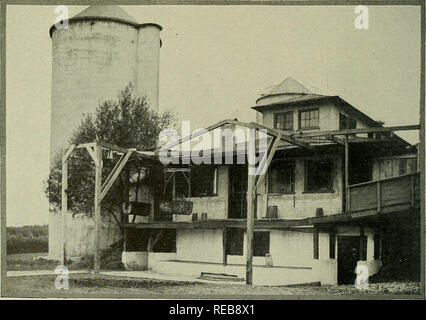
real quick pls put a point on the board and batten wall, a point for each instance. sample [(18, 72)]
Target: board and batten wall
[(80, 237)]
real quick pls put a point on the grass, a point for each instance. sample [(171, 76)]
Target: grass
[(27, 239), (85, 285)]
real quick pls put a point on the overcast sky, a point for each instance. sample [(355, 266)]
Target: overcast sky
[(215, 61)]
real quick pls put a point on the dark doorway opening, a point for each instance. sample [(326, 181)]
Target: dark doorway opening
[(237, 192), (360, 168), (348, 254)]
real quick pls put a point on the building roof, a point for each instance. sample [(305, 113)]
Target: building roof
[(290, 92), (105, 12)]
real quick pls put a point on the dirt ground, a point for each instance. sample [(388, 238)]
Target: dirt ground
[(85, 285)]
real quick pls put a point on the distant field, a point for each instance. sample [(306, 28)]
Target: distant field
[(27, 239)]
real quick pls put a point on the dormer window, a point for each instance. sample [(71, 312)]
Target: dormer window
[(283, 120), (309, 119)]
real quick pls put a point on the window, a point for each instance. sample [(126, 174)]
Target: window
[(346, 122), (309, 119), (283, 120), (203, 181), (281, 177), (260, 243), (319, 175)]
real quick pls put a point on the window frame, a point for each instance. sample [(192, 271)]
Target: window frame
[(331, 190), (284, 113), (293, 184), (300, 118), (214, 183)]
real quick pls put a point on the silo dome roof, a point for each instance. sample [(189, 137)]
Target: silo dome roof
[(109, 13), (114, 12)]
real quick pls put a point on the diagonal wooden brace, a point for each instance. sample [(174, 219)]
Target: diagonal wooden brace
[(121, 163), (68, 153), (92, 154), (112, 171), (268, 159)]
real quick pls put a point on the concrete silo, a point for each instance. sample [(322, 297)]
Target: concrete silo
[(102, 50)]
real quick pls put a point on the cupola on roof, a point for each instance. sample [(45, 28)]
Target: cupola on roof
[(288, 91), (289, 85)]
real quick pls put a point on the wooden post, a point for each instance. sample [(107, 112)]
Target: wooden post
[(64, 209), (316, 243), (250, 206), (225, 256), (98, 220), (361, 243), (379, 197), (347, 196)]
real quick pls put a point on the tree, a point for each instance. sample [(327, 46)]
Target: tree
[(128, 123)]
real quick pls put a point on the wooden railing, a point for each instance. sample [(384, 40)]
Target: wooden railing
[(384, 193)]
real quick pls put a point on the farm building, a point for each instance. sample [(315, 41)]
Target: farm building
[(339, 189), (332, 189)]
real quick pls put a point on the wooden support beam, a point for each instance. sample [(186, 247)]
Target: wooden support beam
[(68, 153), (64, 207), (109, 146), (121, 164), (347, 191), (316, 243), (283, 136), (266, 161), (379, 196), (112, 171), (98, 218), (355, 131), (195, 134), (250, 207), (335, 140), (92, 153), (224, 246), (84, 145)]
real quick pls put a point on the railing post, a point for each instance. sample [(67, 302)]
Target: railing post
[(98, 221), (379, 200), (413, 190), (348, 199)]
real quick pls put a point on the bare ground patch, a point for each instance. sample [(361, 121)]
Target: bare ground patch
[(85, 285)]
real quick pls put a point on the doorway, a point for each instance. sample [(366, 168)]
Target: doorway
[(238, 192), (348, 254)]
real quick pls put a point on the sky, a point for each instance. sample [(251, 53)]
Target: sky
[(214, 63)]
